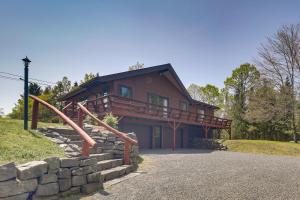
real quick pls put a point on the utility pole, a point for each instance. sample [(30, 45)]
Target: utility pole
[(26, 64)]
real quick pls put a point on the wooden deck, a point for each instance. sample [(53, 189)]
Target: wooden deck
[(121, 106)]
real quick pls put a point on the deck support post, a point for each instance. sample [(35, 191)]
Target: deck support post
[(205, 128), (80, 118), (174, 126), (35, 113), (174, 135)]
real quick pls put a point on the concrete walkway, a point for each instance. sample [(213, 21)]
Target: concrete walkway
[(195, 174)]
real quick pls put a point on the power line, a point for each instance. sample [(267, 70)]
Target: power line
[(21, 79), (9, 78), (36, 82), (19, 76)]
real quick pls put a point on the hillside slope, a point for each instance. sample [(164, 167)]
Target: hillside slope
[(21, 146)]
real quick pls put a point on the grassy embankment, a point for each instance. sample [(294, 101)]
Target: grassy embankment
[(264, 147), (21, 146)]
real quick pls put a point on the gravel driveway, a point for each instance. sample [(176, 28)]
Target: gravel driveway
[(195, 174)]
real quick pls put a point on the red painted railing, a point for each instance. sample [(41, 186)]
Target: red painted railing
[(131, 107), (128, 142), (88, 141)]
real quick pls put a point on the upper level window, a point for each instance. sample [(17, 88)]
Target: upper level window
[(183, 106), (200, 111), (158, 100), (105, 90), (161, 102), (125, 91)]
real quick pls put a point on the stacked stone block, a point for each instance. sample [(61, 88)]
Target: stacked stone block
[(107, 142), (50, 179)]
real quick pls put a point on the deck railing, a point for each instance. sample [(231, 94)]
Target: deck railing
[(128, 142), (131, 107), (88, 141)]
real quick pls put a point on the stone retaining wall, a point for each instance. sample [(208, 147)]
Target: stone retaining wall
[(106, 142), (110, 143), (52, 178)]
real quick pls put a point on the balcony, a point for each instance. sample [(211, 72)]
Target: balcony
[(122, 106)]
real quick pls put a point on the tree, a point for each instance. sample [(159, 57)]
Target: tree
[(62, 87), (265, 112), (210, 94), (75, 84), (87, 77), (194, 91), (280, 61), (35, 89), (1, 112), (47, 90), (136, 66), (240, 83)]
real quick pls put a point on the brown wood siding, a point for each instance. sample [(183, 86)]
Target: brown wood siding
[(157, 84)]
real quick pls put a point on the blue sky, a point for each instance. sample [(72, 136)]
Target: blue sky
[(203, 40)]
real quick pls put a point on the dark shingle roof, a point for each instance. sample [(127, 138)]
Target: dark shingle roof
[(128, 74)]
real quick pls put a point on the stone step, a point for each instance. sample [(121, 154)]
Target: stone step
[(96, 150), (108, 164), (73, 137), (76, 142), (73, 154), (116, 172), (102, 156), (63, 131)]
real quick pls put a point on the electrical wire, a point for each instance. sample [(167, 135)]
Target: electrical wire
[(34, 79), (21, 79)]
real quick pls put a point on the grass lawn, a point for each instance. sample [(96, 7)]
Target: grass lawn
[(21, 146), (264, 147)]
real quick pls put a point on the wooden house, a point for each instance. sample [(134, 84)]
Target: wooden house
[(153, 103)]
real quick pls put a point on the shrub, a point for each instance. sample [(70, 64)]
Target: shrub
[(111, 120)]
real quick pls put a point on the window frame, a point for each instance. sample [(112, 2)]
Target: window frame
[(200, 115), (105, 90), (153, 107), (186, 104), (128, 88)]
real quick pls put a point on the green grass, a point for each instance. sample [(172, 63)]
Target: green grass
[(21, 146), (264, 147)]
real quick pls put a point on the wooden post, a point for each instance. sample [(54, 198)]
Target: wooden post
[(205, 131), (35, 113), (127, 148), (80, 118), (174, 135), (85, 149)]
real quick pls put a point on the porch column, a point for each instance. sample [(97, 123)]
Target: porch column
[(205, 128), (174, 135)]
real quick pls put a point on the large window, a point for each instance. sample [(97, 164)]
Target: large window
[(125, 91), (105, 90), (183, 105), (200, 112), (162, 102)]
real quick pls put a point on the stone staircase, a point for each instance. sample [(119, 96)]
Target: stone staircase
[(108, 150)]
